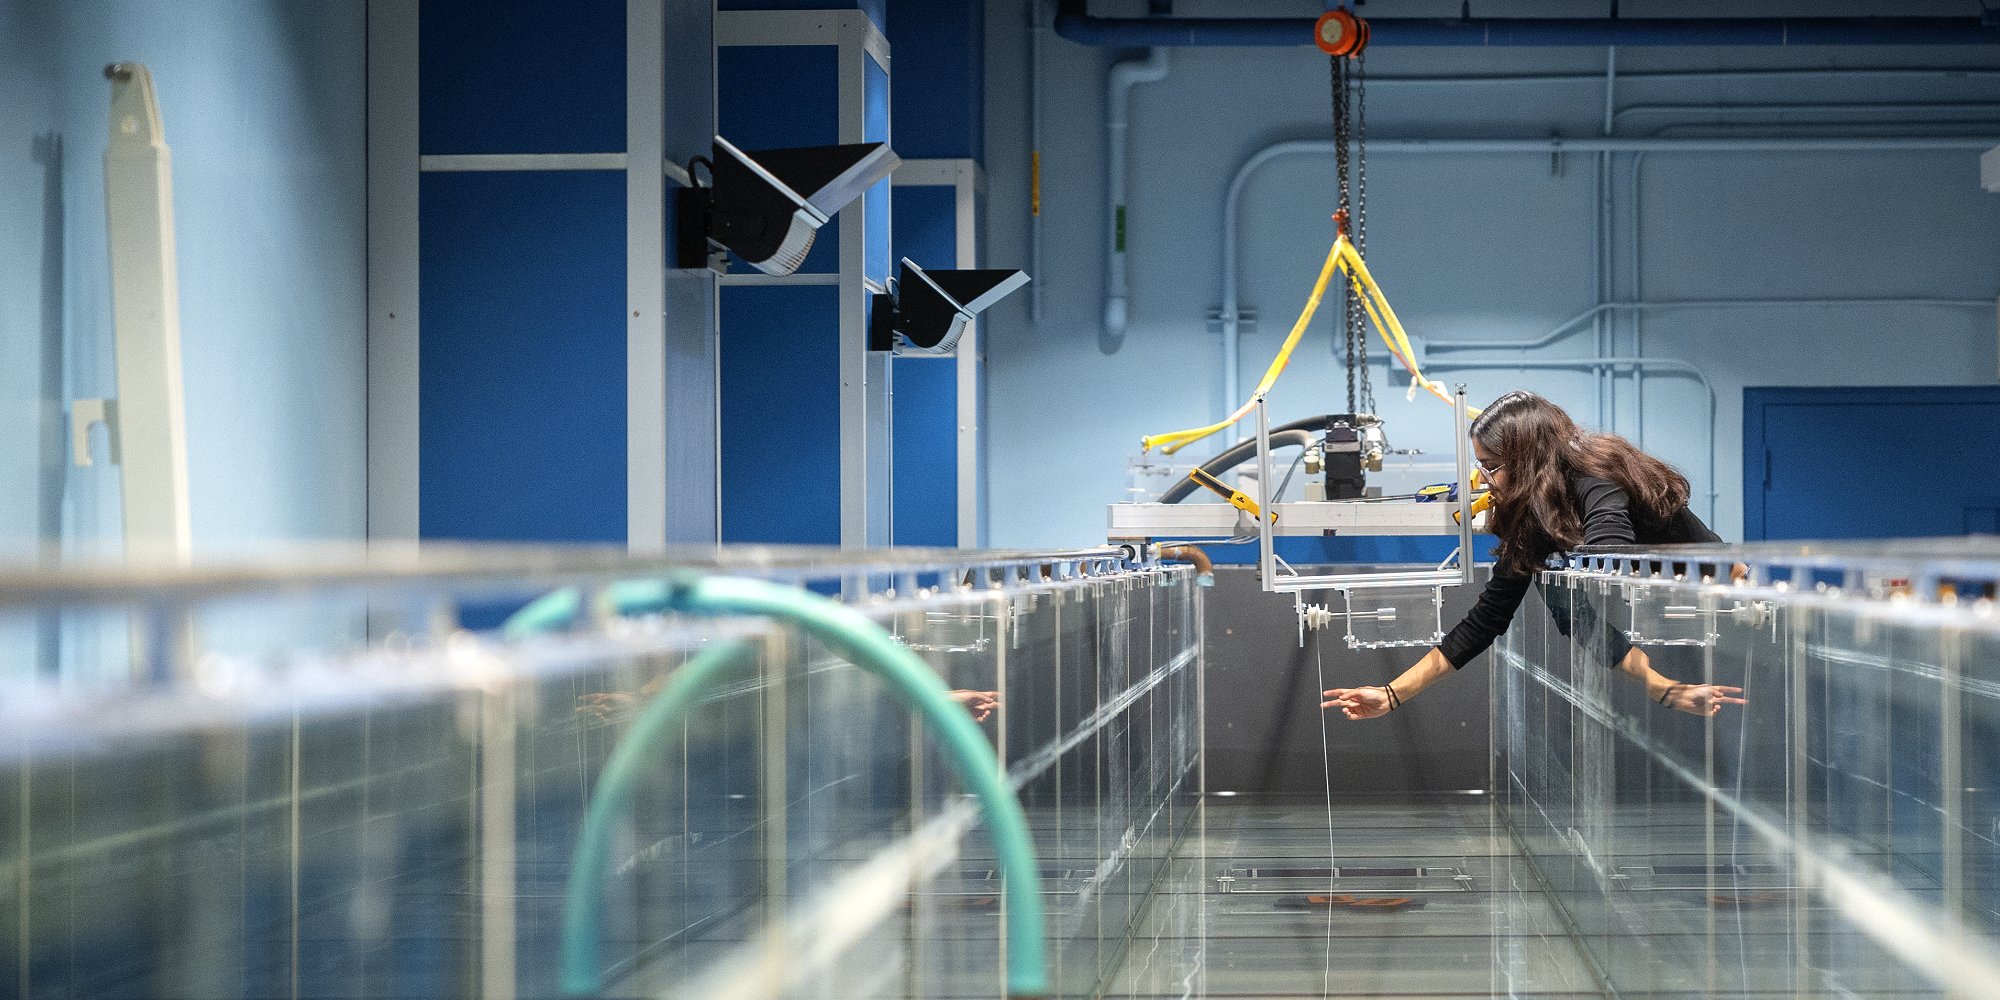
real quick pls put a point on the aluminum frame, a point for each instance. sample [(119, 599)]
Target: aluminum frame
[(968, 184), (866, 439)]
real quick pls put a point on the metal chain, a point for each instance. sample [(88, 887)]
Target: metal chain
[(1360, 334), (1341, 135)]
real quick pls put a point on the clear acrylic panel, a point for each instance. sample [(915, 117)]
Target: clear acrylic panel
[(253, 802), (1832, 837)]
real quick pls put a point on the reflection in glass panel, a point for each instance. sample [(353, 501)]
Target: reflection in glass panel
[(1829, 838), (402, 817)]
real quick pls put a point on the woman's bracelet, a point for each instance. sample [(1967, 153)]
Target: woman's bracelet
[(1668, 694)]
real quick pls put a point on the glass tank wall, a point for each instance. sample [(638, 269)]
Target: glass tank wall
[(1835, 836), (346, 782)]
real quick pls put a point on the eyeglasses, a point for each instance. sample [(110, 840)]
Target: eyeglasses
[(1487, 472)]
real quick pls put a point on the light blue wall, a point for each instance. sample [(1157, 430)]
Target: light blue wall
[(264, 110), (31, 281), (1468, 247)]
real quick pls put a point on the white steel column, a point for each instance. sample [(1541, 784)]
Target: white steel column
[(864, 379), (968, 184), (971, 360), (645, 279), (392, 270), (866, 386), (692, 345)]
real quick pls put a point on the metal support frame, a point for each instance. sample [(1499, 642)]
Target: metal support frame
[(1267, 557), (865, 377), (393, 164), (645, 279), (693, 450), (672, 460), (968, 184)]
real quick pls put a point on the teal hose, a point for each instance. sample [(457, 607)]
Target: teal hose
[(865, 644), (654, 727), (551, 612)]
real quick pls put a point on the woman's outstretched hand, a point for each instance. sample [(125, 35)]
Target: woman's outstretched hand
[(1357, 703), (1703, 699), (980, 703)]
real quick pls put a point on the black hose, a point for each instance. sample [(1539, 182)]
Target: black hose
[(1290, 435)]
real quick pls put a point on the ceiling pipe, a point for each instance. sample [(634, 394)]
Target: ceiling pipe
[(1231, 313), (1117, 123), (1074, 22)]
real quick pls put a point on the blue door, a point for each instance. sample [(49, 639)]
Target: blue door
[(1900, 462)]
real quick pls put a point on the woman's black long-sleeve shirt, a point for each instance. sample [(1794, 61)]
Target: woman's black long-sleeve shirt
[(1607, 520)]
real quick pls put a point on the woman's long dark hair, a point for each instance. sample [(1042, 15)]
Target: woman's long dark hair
[(1542, 450)]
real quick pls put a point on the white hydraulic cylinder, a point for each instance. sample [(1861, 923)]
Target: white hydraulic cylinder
[(150, 423)]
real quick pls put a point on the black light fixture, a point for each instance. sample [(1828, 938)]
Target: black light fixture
[(767, 205), (925, 312)]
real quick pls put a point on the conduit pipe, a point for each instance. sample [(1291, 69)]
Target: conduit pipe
[(1035, 31), (1117, 120), (1636, 289), (1232, 201), (1288, 436), (1204, 569), (1606, 281), (1073, 22), (1430, 347)]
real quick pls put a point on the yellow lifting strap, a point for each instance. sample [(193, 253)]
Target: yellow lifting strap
[(1345, 258)]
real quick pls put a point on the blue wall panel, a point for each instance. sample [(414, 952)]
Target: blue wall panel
[(940, 64), (775, 96), (781, 414), (926, 452), (926, 229), (522, 370), (522, 76), (780, 378)]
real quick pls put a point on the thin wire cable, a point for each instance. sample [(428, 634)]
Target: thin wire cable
[(1279, 493), (1326, 775)]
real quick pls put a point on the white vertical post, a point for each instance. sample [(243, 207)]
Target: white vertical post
[(497, 959), (393, 182), (693, 345), (970, 357), (866, 386), (1267, 502), (645, 279), (1951, 789), (853, 366), (1462, 425), (151, 426)]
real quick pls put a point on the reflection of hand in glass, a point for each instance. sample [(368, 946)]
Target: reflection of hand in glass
[(980, 703), (606, 705), (602, 705), (1694, 699), (1701, 699)]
